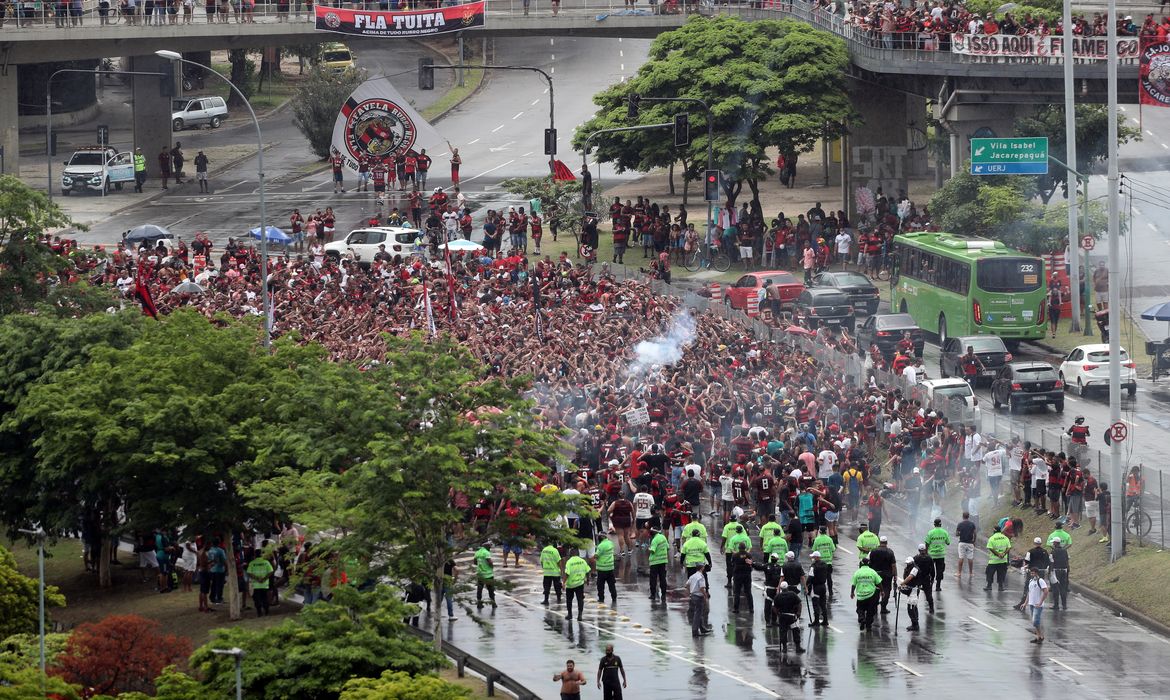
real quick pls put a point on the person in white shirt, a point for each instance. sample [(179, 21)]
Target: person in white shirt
[(125, 284), (910, 373), (1015, 467), (726, 494), (1039, 483), (973, 446), (826, 460), (993, 464), (1037, 595), (844, 244)]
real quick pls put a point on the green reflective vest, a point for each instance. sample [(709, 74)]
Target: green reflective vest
[(659, 549), (936, 543), (550, 561), (865, 583), (605, 555)]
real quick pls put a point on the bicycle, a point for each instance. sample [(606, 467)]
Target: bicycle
[(697, 260), (1138, 521)]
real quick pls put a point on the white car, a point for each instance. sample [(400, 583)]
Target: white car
[(1087, 366), (362, 244), (96, 168), (951, 397)]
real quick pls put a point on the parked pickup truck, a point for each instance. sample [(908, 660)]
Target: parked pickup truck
[(96, 168)]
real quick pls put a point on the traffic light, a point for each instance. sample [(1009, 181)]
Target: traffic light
[(711, 185), (426, 74), (550, 142), (632, 102), (682, 130)]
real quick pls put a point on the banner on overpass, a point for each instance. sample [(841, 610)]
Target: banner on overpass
[(1154, 72), (407, 23), (377, 123), (1091, 48)]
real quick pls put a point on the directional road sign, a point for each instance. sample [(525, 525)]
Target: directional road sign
[(1014, 156)]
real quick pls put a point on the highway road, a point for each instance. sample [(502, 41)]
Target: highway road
[(499, 132)]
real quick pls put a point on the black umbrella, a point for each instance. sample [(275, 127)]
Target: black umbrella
[(147, 232)]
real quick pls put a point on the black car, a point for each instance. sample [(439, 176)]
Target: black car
[(1023, 384), (862, 293), (825, 307), (885, 330), (990, 349)]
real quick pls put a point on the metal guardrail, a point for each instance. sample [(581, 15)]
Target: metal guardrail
[(494, 677)]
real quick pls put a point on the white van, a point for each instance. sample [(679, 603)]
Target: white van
[(197, 111)]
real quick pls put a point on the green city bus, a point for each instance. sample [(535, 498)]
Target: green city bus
[(955, 285)]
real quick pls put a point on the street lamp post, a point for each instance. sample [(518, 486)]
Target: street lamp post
[(265, 303), (39, 533), (49, 113), (238, 654)]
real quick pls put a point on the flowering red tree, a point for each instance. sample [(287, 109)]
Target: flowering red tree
[(118, 654)]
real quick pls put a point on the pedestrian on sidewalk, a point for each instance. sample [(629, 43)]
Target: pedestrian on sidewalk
[(139, 170), (456, 161), (164, 165), (201, 163)]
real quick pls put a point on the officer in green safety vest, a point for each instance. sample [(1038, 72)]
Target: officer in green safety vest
[(824, 544), (770, 529), (863, 587), (659, 554), (550, 566), (776, 544), (937, 541), (695, 554), (1059, 533), (866, 540), (485, 576), (576, 569), (139, 170), (604, 565), (998, 549), (694, 527)]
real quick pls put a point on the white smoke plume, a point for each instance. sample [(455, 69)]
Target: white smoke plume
[(666, 349)]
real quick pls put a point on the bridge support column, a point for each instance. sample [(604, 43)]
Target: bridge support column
[(968, 121), (152, 110), (879, 147), (9, 122)]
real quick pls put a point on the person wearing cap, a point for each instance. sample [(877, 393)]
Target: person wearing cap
[(694, 552), (739, 538), (867, 541), (999, 547), (1037, 595), (937, 540), (728, 532), (787, 611), (1035, 558), (773, 575), (659, 553), (826, 549), (883, 560), (912, 489), (1060, 569), (1059, 533), (863, 588), (820, 585), (911, 583), (793, 571), (925, 564)]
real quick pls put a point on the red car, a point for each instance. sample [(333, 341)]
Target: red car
[(736, 295)]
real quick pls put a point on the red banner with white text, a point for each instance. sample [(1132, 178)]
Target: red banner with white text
[(1154, 72), (407, 23)]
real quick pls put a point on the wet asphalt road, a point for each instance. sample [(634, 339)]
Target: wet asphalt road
[(974, 644)]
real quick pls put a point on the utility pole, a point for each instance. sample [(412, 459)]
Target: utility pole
[(1070, 150), (1117, 529)]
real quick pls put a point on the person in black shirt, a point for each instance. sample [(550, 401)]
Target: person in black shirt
[(925, 575), (787, 609), (1059, 575), (818, 583), (965, 531), (883, 561), (607, 675)]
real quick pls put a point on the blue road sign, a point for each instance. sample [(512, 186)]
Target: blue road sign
[(1009, 168)]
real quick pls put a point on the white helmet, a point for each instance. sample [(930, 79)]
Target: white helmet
[(737, 512)]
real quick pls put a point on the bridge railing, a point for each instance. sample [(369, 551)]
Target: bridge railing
[(903, 48)]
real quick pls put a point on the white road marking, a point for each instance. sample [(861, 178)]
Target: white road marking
[(1149, 132), (835, 629), (534, 103), (176, 223), (981, 622), (472, 141), (468, 179), (1152, 226), (1165, 146), (844, 550), (1064, 665), (501, 126), (545, 91), (550, 41), (623, 67), (552, 69), (907, 669), (651, 647), (554, 57), (527, 154), (621, 53), (517, 115), (440, 155)]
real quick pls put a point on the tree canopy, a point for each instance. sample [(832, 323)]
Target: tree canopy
[(316, 102), (19, 598), (1092, 124), (769, 84)]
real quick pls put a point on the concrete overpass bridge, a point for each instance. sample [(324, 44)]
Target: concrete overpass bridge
[(892, 82)]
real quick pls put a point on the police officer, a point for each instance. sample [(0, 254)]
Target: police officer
[(911, 583), (925, 576), (864, 588), (741, 576), (787, 609), (1059, 575), (139, 170), (694, 553), (824, 546), (773, 575), (793, 572), (867, 541), (819, 583), (658, 556), (883, 561), (937, 541)]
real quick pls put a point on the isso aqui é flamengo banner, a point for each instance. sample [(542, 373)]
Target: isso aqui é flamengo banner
[(405, 23)]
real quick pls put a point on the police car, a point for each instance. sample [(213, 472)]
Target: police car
[(97, 168)]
